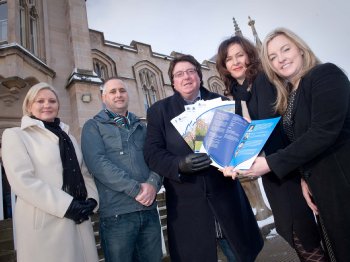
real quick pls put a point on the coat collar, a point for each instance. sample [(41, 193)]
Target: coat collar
[(203, 93), (178, 103), (104, 118), (27, 122)]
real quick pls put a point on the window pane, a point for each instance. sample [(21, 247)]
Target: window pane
[(148, 82), (154, 96), (33, 36), (22, 21), (146, 98), (3, 22)]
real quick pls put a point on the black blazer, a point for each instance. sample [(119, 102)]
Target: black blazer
[(322, 147), (290, 210)]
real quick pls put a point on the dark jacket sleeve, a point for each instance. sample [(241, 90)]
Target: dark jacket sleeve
[(157, 156), (325, 94)]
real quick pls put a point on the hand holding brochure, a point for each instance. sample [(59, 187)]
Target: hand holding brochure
[(212, 127)]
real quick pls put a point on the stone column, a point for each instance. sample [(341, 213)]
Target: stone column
[(253, 192), (85, 99)]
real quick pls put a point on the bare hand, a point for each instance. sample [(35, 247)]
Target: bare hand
[(147, 194), (259, 168), (308, 196), (229, 171)]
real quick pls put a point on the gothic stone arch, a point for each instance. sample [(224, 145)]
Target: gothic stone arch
[(149, 80), (104, 66), (216, 85)]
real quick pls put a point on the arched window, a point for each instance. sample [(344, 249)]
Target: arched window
[(216, 85), (28, 22), (3, 21), (148, 83), (104, 66), (100, 69)]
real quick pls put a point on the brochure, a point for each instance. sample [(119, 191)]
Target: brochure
[(233, 141), (213, 127), (194, 122)]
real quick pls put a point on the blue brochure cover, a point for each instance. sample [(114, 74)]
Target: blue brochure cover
[(233, 141)]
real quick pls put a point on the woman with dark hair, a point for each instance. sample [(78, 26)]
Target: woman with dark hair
[(239, 66), (55, 193)]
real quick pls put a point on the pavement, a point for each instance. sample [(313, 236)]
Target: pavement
[(275, 249)]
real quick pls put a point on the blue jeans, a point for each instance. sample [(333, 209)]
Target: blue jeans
[(132, 237), (227, 250)]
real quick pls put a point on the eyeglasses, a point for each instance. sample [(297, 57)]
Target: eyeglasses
[(190, 72)]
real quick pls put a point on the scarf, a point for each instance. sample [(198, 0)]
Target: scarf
[(240, 93), (120, 121), (73, 182)]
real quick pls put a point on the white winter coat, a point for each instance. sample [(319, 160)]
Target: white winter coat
[(32, 162)]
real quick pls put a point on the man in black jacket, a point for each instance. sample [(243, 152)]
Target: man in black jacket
[(202, 204)]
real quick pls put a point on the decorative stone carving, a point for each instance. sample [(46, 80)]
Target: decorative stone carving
[(237, 29), (8, 99), (15, 81), (13, 87), (258, 43)]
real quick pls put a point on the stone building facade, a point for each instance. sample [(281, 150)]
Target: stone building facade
[(49, 41)]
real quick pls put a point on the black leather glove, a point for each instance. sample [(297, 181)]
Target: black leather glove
[(194, 162), (79, 210), (91, 204)]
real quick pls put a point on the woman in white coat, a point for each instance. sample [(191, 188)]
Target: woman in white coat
[(55, 193)]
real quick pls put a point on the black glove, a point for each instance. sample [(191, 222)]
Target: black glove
[(194, 162), (79, 210), (91, 204)]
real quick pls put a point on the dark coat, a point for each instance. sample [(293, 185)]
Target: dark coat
[(193, 200), (289, 208), (321, 119)]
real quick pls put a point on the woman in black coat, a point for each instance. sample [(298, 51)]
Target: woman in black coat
[(239, 66), (314, 101), (197, 194)]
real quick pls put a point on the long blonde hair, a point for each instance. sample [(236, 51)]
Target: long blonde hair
[(309, 61), (32, 93)]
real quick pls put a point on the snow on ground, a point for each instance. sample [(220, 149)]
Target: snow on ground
[(266, 221), (273, 233)]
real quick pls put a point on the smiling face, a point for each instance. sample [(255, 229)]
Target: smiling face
[(115, 96), (45, 106), (188, 83), (236, 62), (285, 58)]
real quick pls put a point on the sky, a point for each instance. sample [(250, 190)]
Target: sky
[(197, 27)]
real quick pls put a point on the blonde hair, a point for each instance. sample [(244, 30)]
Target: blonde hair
[(281, 84), (32, 93)]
